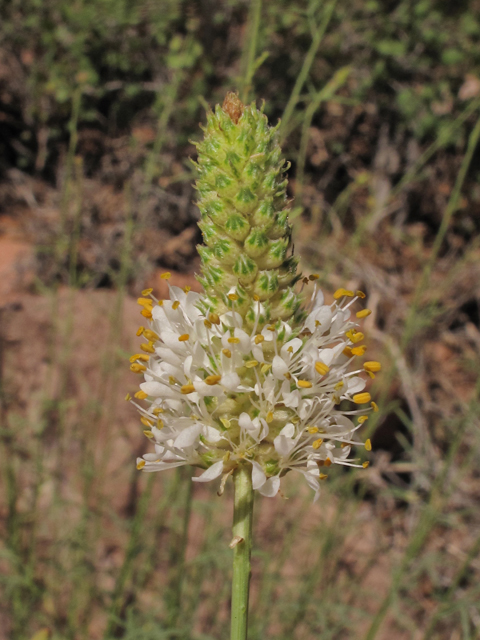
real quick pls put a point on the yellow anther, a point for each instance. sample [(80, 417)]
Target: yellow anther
[(184, 337), (368, 445), (304, 384), (143, 357), (361, 398), (269, 417), (172, 380), (340, 293), (321, 368), (362, 419), (259, 338), (344, 444), (250, 364), (166, 276), (226, 423), (266, 367), (372, 365), (158, 410), (288, 375), (175, 305), (140, 464), (256, 297), (128, 397), (160, 423), (370, 374), (136, 356), (232, 297), (327, 462), (312, 429), (347, 352), (295, 420), (211, 380), (214, 318), (365, 464), (290, 349), (140, 330), (141, 395), (317, 444), (271, 327), (361, 295), (355, 336), (144, 302), (150, 335), (363, 313), (146, 421), (339, 386), (187, 388), (374, 406), (187, 288), (227, 353), (233, 340), (317, 323), (137, 368), (147, 347), (207, 323), (147, 292), (313, 276), (359, 351), (148, 433), (322, 476), (146, 313), (160, 303)]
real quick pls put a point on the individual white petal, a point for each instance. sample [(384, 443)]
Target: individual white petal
[(283, 445), (245, 422), (244, 338), (230, 381), (319, 300), (290, 348), (188, 436), (231, 319), (271, 487), (212, 434), (167, 355), (211, 473), (158, 390), (279, 368), (258, 476), (257, 353), (288, 430), (355, 385)]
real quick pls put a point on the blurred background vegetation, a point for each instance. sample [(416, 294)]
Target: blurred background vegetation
[(99, 102)]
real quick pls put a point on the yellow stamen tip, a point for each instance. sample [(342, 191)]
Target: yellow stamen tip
[(362, 398), (184, 337), (187, 288), (233, 340), (322, 476), (140, 330), (359, 351), (146, 421), (146, 313), (227, 353), (207, 323), (214, 318), (271, 327), (312, 429), (269, 417), (304, 384), (128, 397), (141, 395), (321, 368), (187, 388), (313, 276), (150, 335), (365, 464), (256, 297), (361, 295), (175, 305), (317, 444), (374, 406), (166, 276), (147, 292), (363, 313), (362, 419), (148, 433), (211, 380), (250, 364), (372, 366), (232, 296), (144, 302), (137, 368), (147, 347), (368, 445), (340, 293), (140, 464), (259, 338)]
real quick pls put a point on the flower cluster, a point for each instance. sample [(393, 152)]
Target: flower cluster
[(219, 392)]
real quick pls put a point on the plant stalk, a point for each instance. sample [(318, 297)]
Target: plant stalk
[(242, 536)]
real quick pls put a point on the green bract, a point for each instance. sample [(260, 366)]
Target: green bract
[(244, 216)]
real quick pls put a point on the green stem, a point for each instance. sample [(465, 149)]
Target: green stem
[(242, 535)]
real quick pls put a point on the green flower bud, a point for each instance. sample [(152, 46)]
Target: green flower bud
[(242, 200)]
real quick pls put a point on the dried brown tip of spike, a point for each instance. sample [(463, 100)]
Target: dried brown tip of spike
[(233, 106)]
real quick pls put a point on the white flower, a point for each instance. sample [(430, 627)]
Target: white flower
[(219, 393)]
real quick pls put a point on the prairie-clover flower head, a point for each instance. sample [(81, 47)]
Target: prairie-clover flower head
[(243, 374)]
